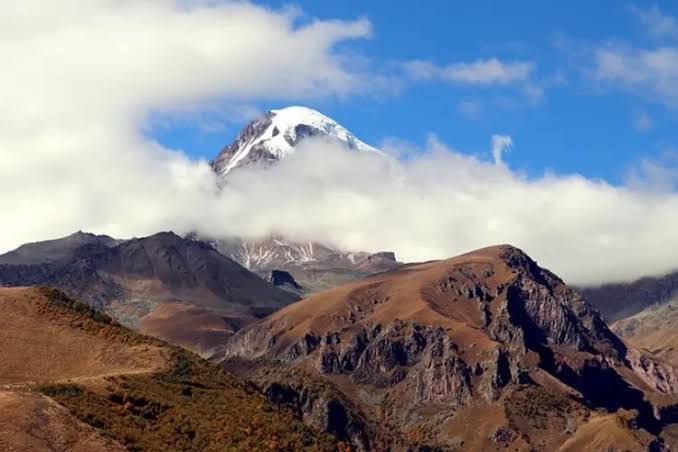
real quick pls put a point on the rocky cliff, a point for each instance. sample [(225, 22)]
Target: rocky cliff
[(424, 347)]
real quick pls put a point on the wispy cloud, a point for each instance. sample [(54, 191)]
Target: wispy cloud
[(650, 72), (657, 23), (642, 121), (479, 72), (471, 108), (656, 174), (86, 76), (517, 78)]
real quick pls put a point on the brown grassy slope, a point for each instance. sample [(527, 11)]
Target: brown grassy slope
[(606, 432), (190, 326), (406, 295), (32, 422), (42, 341), (136, 390)]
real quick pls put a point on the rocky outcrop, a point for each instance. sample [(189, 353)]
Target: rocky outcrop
[(322, 409), (443, 377), (285, 281), (443, 337), (659, 376)]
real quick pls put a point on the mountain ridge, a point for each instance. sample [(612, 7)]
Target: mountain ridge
[(488, 334), (163, 272)]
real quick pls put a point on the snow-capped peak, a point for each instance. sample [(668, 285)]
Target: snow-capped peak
[(276, 134)]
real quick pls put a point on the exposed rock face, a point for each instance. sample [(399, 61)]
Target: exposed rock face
[(277, 133), (247, 137), (653, 329), (314, 266), (322, 410), (455, 336), (283, 278)]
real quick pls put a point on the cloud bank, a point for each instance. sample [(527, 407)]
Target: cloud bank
[(72, 154), (442, 203), (83, 76)]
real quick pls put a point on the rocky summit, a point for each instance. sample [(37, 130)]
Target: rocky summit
[(483, 351), (275, 135)]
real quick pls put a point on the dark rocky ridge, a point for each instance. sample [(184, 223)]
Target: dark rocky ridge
[(619, 300), (129, 279), (56, 250), (250, 132)]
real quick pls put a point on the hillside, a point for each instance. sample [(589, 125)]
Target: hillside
[(313, 265), (417, 357), (653, 329), (141, 282), (618, 300), (117, 388)]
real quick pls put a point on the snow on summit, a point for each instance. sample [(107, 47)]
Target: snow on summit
[(277, 133)]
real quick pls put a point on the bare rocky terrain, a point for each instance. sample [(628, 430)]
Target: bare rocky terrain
[(314, 266), (653, 329), (483, 351)]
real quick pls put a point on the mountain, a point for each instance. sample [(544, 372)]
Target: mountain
[(55, 250), (618, 300), (178, 289), (316, 266), (275, 135), (72, 379), (653, 329), (313, 265), (483, 351)]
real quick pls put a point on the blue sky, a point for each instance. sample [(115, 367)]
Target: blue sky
[(582, 88), (579, 123)]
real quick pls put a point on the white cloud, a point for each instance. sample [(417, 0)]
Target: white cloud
[(500, 144), (479, 72), (442, 203), (73, 154), (82, 77), (650, 72)]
